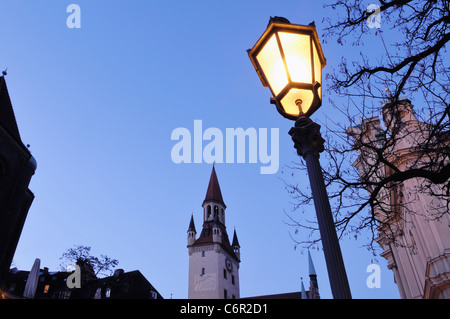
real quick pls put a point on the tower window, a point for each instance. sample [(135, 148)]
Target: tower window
[(225, 294), (203, 253), (108, 293), (232, 279), (224, 273), (216, 211), (203, 271), (208, 211)]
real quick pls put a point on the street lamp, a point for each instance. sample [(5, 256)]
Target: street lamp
[(289, 60)]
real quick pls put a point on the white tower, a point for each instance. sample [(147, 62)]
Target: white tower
[(213, 261)]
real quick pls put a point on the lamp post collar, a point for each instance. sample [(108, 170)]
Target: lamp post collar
[(306, 137)]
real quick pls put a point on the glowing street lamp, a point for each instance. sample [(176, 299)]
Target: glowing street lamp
[(289, 60)]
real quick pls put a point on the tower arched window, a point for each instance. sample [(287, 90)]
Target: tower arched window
[(216, 211), (208, 211)]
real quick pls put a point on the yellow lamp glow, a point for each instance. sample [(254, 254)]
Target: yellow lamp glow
[(289, 60)]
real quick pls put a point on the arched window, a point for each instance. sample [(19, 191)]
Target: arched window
[(208, 211), (216, 211)]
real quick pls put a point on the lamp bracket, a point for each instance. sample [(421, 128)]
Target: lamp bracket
[(306, 136)]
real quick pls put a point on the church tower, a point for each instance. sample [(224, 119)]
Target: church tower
[(213, 261)]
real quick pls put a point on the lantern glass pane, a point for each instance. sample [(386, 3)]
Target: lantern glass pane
[(272, 65), (297, 50), (289, 105), (317, 69)]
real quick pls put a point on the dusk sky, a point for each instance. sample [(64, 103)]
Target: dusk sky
[(98, 105)]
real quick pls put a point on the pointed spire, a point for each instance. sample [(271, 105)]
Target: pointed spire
[(235, 240), (213, 193), (303, 291), (312, 270), (191, 224), (313, 285)]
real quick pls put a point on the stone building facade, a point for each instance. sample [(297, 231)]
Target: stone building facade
[(414, 232)]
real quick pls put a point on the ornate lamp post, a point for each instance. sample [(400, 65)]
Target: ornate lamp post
[(289, 60)]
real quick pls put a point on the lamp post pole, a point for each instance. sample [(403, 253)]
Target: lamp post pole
[(309, 144), (289, 59)]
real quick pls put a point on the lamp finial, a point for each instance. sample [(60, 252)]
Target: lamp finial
[(279, 20)]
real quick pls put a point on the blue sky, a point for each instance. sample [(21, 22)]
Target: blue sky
[(98, 105)]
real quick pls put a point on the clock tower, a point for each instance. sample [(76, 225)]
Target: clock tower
[(213, 261)]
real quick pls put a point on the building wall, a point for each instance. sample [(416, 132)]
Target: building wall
[(211, 284), (416, 237), (422, 256)]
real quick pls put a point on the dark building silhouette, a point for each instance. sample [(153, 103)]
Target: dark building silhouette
[(17, 166), (122, 285), (53, 285)]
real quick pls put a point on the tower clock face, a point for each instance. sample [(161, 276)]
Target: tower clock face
[(229, 265)]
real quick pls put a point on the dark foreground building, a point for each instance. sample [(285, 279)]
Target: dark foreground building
[(54, 285), (17, 166)]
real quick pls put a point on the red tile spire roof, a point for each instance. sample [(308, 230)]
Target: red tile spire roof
[(192, 225), (213, 193)]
